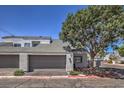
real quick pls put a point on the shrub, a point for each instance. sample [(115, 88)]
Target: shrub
[(110, 61), (19, 72), (101, 72), (121, 50), (122, 62), (86, 71), (74, 73)]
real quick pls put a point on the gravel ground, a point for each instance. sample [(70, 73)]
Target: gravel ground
[(61, 83)]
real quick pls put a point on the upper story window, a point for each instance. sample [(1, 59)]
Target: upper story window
[(17, 45), (35, 43), (27, 45)]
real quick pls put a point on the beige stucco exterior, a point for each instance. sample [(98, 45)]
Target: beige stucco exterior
[(22, 41), (68, 58)]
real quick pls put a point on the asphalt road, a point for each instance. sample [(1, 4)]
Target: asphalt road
[(61, 83)]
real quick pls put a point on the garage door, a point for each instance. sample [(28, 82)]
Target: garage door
[(9, 61), (47, 62)]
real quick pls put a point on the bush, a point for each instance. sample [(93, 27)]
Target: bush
[(19, 72), (74, 73), (122, 62), (101, 72), (110, 61), (86, 71)]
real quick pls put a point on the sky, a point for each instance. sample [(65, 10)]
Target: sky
[(34, 20)]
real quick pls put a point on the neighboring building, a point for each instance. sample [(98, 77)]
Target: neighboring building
[(31, 52), (106, 58), (26, 41), (114, 54)]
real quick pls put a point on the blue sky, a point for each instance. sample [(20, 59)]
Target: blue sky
[(34, 20)]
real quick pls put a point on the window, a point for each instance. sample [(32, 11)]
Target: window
[(27, 45), (17, 45), (78, 59), (35, 43)]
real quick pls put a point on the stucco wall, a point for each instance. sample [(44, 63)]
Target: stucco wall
[(23, 62), (69, 62), (84, 62), (22, 41)]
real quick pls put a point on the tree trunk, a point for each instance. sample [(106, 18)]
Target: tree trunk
[(93, 63)]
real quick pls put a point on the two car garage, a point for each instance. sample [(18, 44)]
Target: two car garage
[(34, 61), (47, 62)]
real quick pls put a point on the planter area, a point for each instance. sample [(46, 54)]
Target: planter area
[(101, 72)]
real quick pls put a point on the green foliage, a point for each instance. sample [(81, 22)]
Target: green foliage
[(122, 62), (101, 72), (74, 72), (110, 61), (113, 57), (94, 28), (19, 72), (121, 50)]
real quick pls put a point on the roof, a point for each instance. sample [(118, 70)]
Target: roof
[(55, 47), (28, 37)]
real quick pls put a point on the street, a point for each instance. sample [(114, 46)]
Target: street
[(60, 83)]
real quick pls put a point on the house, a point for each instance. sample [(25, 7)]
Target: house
[(116, 56), (38, 52), (26, 41)]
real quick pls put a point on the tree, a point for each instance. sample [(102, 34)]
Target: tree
[(121, 50), (94, 28)]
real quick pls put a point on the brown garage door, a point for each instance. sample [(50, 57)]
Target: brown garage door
[(9, 61), (47, 62)]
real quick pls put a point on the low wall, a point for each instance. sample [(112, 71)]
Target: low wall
[(107, 65)]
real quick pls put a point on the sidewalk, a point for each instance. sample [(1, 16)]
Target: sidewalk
[(47, 77), (59, 82)]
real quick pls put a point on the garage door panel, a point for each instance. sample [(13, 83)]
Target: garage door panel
[(46, 61), (9, 61)]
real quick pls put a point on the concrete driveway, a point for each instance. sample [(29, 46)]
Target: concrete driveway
[(60, 83), (36, 72), (7, 71), (47, 72)]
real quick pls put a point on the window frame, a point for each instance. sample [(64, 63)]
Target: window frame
[(27, 43), (80, 58), (36, 43), (17, 45)]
